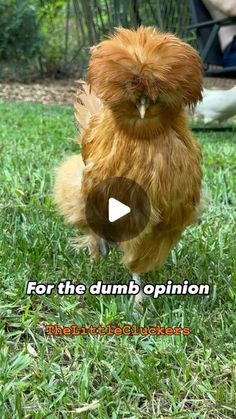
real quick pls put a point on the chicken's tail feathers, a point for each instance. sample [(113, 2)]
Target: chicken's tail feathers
[(87, 104)]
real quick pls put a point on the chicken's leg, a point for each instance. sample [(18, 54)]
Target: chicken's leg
[(138, 297)]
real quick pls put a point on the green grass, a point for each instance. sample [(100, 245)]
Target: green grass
[(131, 377)]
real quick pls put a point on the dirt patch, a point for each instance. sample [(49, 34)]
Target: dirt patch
[(46, 92), (62, 92)]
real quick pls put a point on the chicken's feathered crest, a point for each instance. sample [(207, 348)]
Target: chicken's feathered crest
[(145, 61)]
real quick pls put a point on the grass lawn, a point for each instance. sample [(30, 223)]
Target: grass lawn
[(129, 376)]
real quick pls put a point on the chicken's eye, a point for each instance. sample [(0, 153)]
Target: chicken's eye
[(131, 86)]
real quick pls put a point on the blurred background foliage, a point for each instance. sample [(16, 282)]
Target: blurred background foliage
[(41, 38)]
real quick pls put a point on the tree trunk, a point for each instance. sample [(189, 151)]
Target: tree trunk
[(137, 18), (92, 36)]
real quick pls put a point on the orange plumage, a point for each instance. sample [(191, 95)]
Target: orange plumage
[(135, 126)]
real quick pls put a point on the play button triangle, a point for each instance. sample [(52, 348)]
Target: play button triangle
[(117, 210)]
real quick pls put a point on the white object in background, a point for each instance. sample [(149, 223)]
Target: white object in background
[(217, 105)]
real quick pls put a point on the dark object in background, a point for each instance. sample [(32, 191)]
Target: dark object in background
[(208, 42), (19, 35), (20, 41)]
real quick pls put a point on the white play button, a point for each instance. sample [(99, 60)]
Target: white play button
[(117, 209)]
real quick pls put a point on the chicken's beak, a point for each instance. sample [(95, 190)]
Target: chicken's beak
[(142, 106)]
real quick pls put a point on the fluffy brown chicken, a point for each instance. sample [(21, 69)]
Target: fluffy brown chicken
[(134, 125)]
